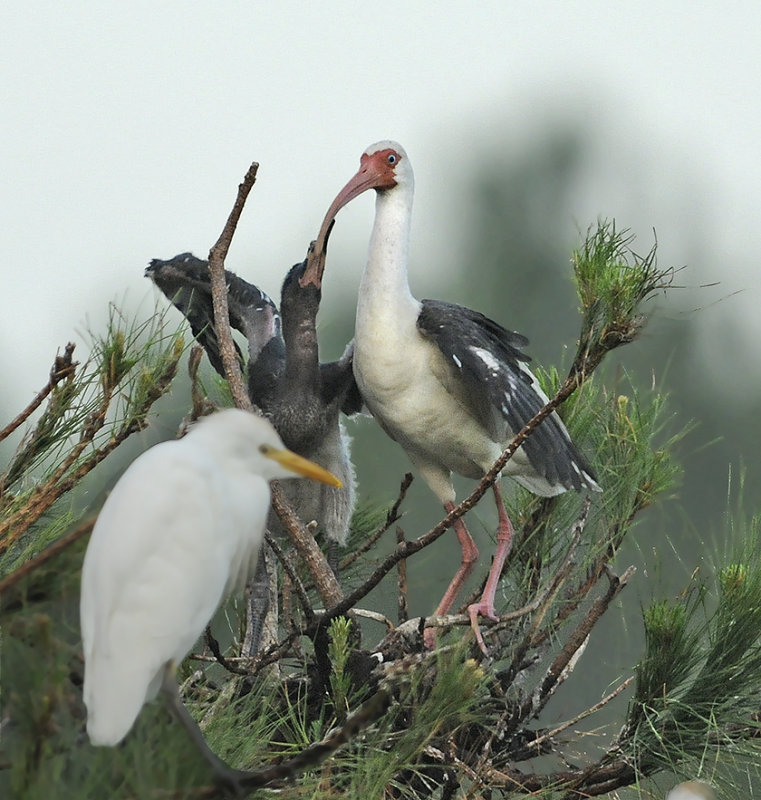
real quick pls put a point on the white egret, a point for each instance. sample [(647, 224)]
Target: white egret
[(181, 529)]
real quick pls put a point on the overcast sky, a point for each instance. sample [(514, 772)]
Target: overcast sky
[(125, 128)]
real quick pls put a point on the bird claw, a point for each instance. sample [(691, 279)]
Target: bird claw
[(485, 610)]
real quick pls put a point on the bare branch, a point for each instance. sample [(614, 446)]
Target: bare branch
[(402, 608), (217, 256), (63, 367), (219, 657), (295, 580), (583, 715), (392, 516), (325, 581), (558, 670)]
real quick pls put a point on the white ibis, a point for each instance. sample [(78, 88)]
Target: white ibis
[(301, 397), (448, 384), (180, 530)]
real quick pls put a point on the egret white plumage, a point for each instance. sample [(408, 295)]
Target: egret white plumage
[(448, 384), (181, 529)]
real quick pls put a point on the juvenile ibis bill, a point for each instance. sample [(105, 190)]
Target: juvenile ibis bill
[(180, 531), (299, 395), (448, 384)]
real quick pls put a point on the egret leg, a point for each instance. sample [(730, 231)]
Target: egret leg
[(469, 558), (485, 606), (225, 776)]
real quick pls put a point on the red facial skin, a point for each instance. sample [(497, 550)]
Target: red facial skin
[(376, 171)]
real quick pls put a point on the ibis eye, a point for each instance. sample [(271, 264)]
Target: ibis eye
[(391, 158)]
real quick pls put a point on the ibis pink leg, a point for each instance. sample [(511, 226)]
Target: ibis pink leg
[(485, 606), (469, 558)]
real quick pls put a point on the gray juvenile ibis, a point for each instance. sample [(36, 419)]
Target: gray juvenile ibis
[(448, 384), (301, 397), (178, 533)]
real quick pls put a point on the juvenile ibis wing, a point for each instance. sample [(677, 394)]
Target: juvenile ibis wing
[(185, 281), (338, 381), (484, 367)]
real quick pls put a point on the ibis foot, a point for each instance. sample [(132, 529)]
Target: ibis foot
[(485, 609)]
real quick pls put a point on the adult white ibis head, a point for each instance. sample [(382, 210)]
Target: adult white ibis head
[(180, 530), (448, 384)]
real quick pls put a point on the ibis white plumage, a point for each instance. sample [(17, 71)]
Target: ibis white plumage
[(181, 529), (448, 384)]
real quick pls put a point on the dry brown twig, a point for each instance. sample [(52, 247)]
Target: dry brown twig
[(325, 580), (296, 583), (63, 367), (309, 551), (392, 516), (540, 602), (551, 734), (217, 256), (402, 606), (560, 668)]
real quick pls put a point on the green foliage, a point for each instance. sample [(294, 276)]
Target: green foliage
[(368, 517), (632, 435), (88, 414), (612, 282), (262, 713), (339, 652), (434, 707), (695, 710), (669, 654)]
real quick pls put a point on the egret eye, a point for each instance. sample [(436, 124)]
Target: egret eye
[(391, 158)]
